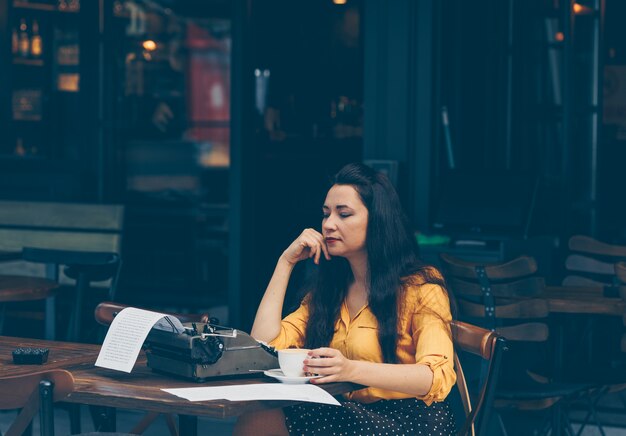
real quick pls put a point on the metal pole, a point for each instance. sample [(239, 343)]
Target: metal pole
[(596, 108), (509, 88)]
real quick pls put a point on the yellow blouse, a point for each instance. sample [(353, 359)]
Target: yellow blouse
[(425, 338)]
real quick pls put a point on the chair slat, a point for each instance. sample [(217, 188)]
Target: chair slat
[(15, 390), (620, 271), (519, 267), (535, 308), (77, 216), (584, 282), (528, 332), (525, 288), (578, 262), (473, 339), (586, 244)]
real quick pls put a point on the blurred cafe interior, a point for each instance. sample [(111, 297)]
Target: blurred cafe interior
[(163, 153)]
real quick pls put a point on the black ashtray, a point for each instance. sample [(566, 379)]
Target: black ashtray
[(30, 356)]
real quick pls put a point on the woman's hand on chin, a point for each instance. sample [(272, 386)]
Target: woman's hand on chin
[(309, 244), (330, 364)]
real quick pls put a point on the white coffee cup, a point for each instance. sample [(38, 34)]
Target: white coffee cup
[(291, 361)]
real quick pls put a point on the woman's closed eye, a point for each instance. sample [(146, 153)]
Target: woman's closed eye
[(341, 214)]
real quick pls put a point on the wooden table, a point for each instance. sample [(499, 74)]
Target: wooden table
[(574, 300), (141, 389), (64, 355), (579, 300)]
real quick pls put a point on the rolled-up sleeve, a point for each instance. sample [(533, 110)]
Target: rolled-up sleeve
[(433, 340), (292, 329)]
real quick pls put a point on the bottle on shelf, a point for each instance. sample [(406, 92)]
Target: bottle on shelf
[(36, 46), (15, 41), (24, 40), (19, 147)]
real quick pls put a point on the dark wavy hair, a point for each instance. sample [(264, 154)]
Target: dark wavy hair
[(391, 257)]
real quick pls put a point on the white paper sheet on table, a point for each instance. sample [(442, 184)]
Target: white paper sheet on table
[(127, 333), (261, 391)]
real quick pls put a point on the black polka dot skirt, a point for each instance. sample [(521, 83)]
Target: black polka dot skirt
[(385, 417)]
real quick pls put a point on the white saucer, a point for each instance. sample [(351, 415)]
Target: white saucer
[(278, 375)]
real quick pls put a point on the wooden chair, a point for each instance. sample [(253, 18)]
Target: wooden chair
[(85, 237), (590, 264), (506, 298), (24, 392), (596, 264), (36, 392), (17, 289), (104, 314), (489, 347)]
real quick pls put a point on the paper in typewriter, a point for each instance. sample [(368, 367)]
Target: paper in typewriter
[(127, 334)]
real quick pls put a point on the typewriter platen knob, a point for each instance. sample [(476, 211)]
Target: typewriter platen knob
[(207, 350)]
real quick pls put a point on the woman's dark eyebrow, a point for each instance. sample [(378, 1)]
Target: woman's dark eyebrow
[(339, 206)]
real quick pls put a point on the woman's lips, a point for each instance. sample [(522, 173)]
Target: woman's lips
[(331, 240)]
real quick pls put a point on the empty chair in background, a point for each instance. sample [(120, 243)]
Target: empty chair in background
[(595, 266), (590, 264), (506, 298), (84, 237)]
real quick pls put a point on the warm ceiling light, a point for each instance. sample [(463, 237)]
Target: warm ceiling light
[(340, 2), (558, 36), (580, 9), (149, 45)]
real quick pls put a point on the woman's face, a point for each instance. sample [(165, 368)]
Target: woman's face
[(344, 225)]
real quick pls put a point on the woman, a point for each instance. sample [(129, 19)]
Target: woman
[(376, 317)]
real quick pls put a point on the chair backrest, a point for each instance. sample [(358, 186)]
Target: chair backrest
[(107, 310), (32, 393), (591, 264), (504, 297), (488, 346), (58, 226)]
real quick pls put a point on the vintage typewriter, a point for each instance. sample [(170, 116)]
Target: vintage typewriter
[(205, 351)]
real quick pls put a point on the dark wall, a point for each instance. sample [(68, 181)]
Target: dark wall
[(399, 124), (280, 168)]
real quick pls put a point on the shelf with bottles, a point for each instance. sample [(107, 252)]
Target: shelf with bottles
[(27, 45), (24, 145), (27, 104), (58, 47), (28, 62), (63, 6)]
